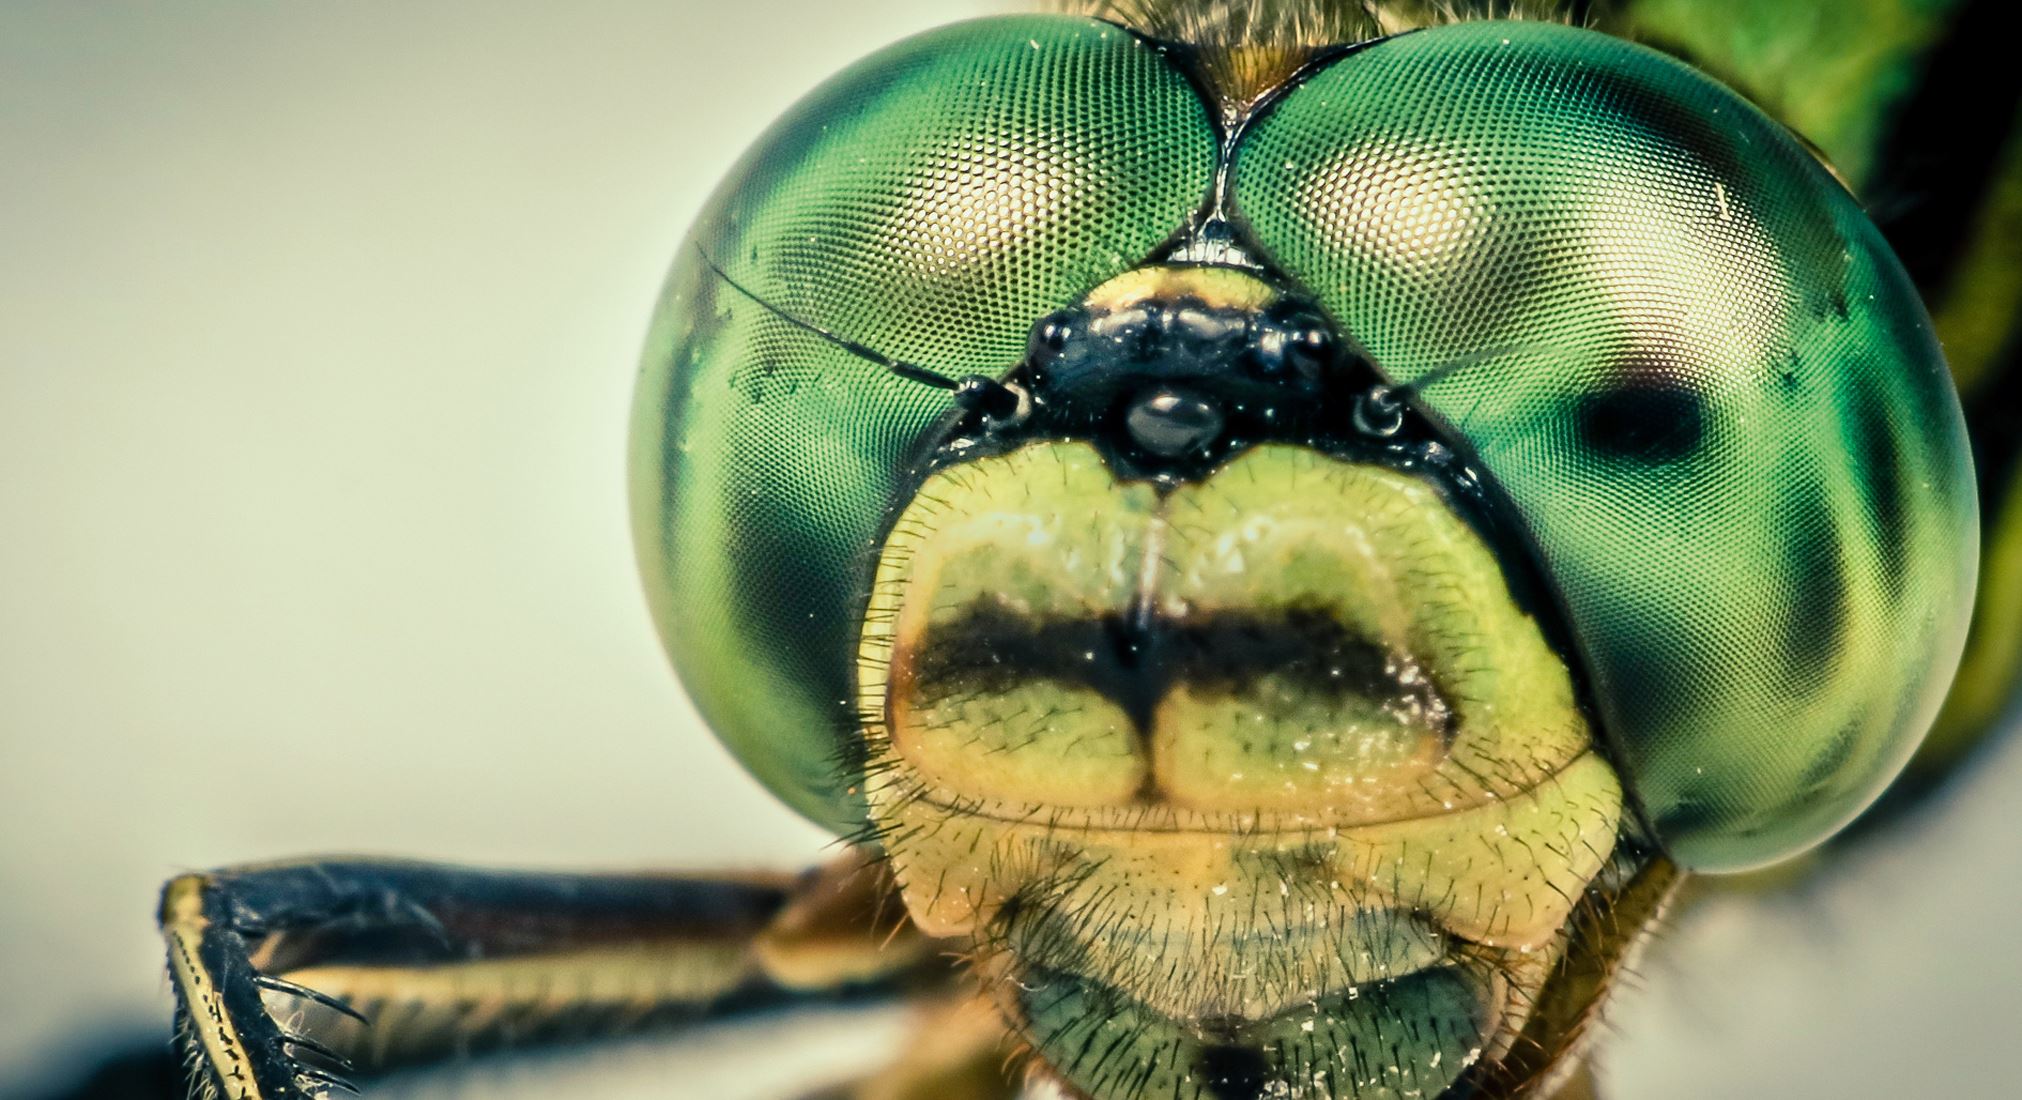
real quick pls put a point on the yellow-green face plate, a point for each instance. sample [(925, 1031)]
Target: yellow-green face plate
[(1320, 823)]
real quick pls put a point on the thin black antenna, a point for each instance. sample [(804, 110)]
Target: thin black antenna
[(911, 372), (1473, 359)]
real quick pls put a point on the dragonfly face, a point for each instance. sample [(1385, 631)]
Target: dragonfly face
[(1263, 551), (1232, 783)]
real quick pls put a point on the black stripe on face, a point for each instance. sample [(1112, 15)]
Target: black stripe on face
[(1878, 475), (990, 649), (1233, 1072), (1817, 609)]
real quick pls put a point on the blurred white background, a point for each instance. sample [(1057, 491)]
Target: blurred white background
[(317, 326)]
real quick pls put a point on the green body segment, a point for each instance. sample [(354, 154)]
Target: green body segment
[(1694, 367), (930, 202), (1834, 71)]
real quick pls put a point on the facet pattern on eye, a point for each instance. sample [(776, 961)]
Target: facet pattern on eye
[(936, 198), (1696, 370), (927, 204)]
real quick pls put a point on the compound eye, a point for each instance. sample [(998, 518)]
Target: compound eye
[(1694, 368), (926, 205)]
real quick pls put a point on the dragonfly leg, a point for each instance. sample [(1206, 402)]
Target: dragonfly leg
[(290, 978)]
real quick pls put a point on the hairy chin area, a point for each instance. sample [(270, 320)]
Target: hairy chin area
[(1135, 1000), (1405, 1037), (1175, 964), (1479, 1024)]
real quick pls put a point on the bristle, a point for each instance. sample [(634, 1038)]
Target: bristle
[(1237, 24), (1248, 47), (1309, 24), (198, 1083)]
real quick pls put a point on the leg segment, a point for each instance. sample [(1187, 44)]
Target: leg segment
[(290, 977)]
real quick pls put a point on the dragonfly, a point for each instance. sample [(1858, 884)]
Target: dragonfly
[(972, 489)]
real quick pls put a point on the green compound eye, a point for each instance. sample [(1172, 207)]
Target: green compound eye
[(931, 202), (1696, 370)]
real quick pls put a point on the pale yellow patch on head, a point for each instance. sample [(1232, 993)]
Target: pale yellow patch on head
[(1214, 287)]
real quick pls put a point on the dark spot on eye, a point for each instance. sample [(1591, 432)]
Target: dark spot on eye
[(1878, 475), (1815, 612), (1824, 774), (1693, 813), (1653, 421), (1786, 376), (1232, 1073), (1646, 671), (791, 588)]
